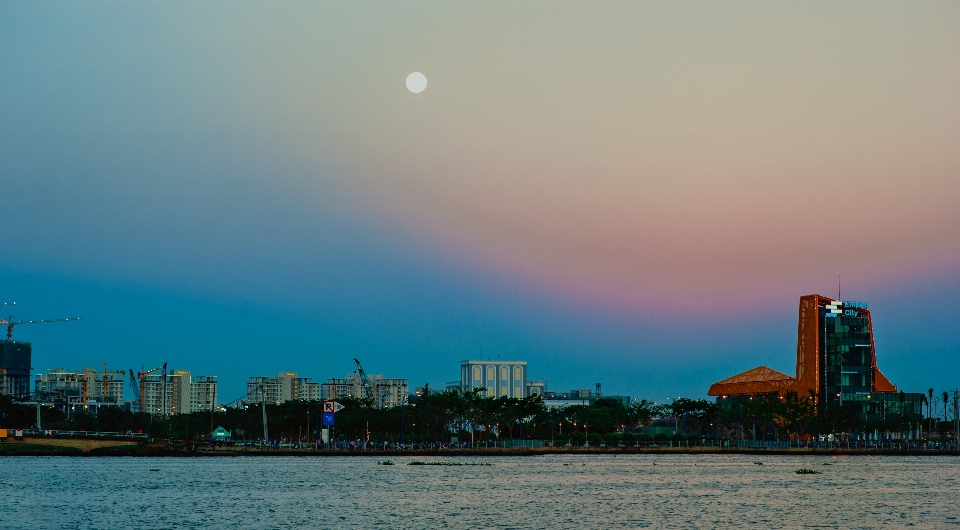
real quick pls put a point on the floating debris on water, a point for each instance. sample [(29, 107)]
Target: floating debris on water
[(805, 471), (158, 469), (758, 463), (385, 463), (418, 463)]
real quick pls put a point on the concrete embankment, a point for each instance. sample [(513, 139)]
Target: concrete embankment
[(44, 445)]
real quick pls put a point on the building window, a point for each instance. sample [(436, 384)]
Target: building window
[(503, 391), (477, 373), (517, 373), (503, 373), (517, 392), (490, 392), (491, 373)]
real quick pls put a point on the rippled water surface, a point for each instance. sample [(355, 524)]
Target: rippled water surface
[(556, 491)]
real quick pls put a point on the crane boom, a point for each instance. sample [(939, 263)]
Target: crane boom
[(10, 323), (364, 382), (142, 375), (134, 387)]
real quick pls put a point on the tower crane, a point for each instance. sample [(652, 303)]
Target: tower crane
[(142, 375), (10, 323), (107, 374), (364, 382), (85, 384)]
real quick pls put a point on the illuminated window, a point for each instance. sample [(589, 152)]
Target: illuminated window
[(490, 372), (490, 392), (503, 391), (477, 373), (517, 392), (503, 373), (517, 374)]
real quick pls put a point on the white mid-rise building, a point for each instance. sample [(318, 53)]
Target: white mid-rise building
[(286, 386), (179, 393), (386, 392), (498, 378)]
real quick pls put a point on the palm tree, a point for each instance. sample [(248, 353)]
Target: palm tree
[(946, 399)]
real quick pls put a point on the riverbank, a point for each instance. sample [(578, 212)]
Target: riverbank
[(159, 450)]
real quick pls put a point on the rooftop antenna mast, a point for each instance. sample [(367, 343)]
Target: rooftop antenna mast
[(838, 287)]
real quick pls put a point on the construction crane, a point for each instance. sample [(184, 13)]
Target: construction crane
[(107, 374), (364, 382), (134, 386), (142, 375), (85, 384), (10, 323)]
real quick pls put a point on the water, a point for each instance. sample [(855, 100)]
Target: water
[(555, 491)]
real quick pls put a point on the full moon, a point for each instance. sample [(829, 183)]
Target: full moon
[(416, 82)]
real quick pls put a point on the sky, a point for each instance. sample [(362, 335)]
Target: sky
[(630, 192)]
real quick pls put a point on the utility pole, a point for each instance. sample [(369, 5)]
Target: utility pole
[(956, 416), (213, 405), (263, 405)]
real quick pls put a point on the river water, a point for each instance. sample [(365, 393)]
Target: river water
[(552, 491)]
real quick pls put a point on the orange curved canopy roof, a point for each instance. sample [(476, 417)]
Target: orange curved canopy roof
[(757, 380)]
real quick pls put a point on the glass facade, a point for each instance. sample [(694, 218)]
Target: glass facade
[(846, 357), (846, 370)]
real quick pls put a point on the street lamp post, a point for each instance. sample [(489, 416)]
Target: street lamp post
[(263, 405), (402, 406)]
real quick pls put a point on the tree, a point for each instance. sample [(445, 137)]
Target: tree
[(642, 413)]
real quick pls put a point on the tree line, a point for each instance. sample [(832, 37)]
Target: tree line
[(468, 416)]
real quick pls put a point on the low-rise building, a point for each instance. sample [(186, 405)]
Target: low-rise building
[(555, 400)]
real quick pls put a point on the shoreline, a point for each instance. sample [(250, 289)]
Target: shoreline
[(153, 450)]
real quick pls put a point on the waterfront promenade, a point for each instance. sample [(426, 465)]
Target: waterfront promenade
[(112, 444)]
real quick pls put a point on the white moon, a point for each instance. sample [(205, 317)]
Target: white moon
[(416, 82)]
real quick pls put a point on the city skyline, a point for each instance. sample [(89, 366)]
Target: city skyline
[(633, 193)]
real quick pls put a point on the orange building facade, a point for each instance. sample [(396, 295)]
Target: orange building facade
[(836, 357)]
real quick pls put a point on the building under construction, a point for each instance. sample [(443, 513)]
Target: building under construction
[(386, 392), (836, 365), (15, 360), (84, 390), (16, 357)]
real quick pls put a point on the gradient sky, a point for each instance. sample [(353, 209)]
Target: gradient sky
[(627, 192)]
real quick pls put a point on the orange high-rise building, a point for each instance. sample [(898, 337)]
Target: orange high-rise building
[(836, 361)]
